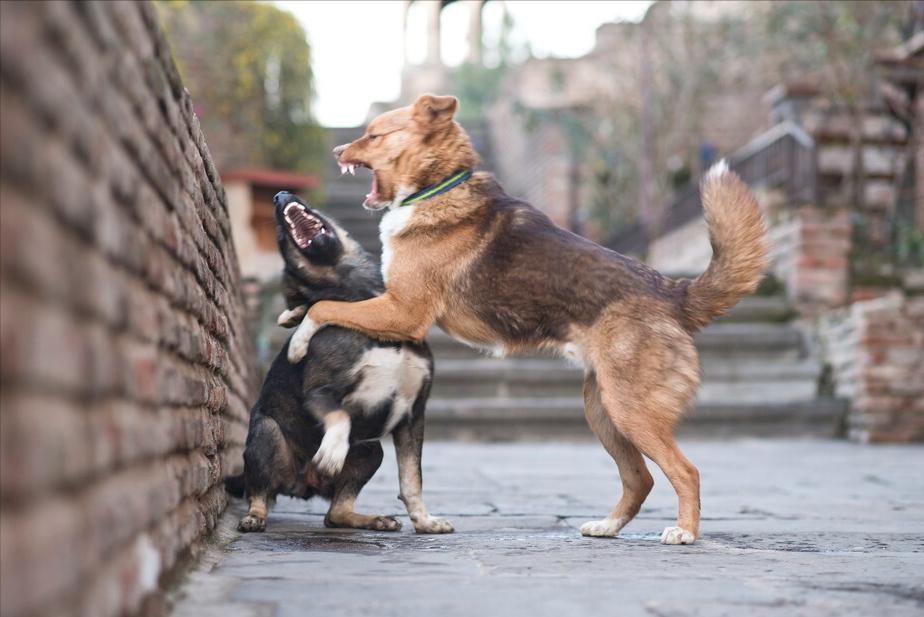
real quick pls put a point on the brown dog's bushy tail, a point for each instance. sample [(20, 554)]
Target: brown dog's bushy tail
[(739, 247)]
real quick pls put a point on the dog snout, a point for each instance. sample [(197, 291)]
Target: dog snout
[(282, 198), (339, 150)]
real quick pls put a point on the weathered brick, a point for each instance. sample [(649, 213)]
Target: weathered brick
[(124, 361)]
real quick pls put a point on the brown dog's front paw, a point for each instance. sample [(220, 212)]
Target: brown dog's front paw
[(677, 535), (431, 524), (252, 523)]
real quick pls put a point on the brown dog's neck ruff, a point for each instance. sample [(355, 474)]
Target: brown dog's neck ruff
[(450, 182)]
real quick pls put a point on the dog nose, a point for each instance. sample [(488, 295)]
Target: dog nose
[(339, 150), (282, 198)]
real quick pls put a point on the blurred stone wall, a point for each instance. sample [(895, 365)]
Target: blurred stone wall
[(126, 364), (876, 352)]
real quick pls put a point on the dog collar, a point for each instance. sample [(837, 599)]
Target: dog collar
[(451, 182)]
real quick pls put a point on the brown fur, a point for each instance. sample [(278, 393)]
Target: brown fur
[(498, 273)]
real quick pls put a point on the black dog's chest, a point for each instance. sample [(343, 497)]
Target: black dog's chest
[(387, 382)]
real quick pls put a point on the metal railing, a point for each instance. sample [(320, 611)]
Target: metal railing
[(783, 157)]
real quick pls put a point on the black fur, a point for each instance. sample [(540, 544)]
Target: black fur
[(286, 421)]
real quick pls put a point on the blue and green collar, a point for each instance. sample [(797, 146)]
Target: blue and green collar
[(433, 190)]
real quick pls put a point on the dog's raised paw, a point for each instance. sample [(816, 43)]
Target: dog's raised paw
[(329, 461), (335, 445), (291, 317), (252, 523), (605, 528), (431, 524), (677, 535), (298, 344)]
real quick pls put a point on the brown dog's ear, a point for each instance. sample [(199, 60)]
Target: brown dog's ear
[(430, 108)]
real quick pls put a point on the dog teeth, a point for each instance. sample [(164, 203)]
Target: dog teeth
[(352, 170), (343, 168)]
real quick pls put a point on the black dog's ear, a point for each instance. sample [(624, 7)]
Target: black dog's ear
[(433, 109)]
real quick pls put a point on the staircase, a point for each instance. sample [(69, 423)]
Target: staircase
[(758, 375)]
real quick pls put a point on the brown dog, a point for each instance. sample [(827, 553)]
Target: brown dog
[(497, 273)]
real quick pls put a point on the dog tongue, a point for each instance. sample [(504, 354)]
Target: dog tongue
[(374, 192)]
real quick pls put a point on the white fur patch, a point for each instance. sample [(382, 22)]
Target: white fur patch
[(387, 372), (334, 448), (605, 528), (676, 535), (573, 353), (392, 224), (717, 170), (298, 344)]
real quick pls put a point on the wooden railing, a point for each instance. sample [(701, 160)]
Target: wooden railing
[(783, 157)]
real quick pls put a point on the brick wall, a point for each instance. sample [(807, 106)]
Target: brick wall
[(876, 351), (125, 365), (819, 240)]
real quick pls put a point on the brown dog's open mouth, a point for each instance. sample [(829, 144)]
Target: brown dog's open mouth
[(373, 199), (303, 226)]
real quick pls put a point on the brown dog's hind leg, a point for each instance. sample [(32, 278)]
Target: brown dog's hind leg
[(636, 480), (646, 383), (361, 464)]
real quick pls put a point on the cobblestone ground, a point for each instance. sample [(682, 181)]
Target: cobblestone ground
[(790, 527)]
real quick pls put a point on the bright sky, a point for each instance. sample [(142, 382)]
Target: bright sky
[(357, 45)]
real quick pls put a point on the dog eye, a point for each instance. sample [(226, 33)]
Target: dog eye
[(373, 137)]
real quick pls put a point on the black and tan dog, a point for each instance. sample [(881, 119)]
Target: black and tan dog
[(315, 427), (497, 273)]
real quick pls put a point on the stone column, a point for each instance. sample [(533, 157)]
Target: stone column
[(474, 32), (434, 7), (407, 9)]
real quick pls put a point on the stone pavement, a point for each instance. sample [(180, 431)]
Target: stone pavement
[(790, 527)]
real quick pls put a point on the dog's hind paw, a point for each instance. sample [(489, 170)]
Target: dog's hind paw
[(677, 535), (298, 344), (606, 528), (252, 523), (385, 523), (431, 524), (353, 520)]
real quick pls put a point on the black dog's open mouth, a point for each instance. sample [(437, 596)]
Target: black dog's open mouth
[(303, 226)]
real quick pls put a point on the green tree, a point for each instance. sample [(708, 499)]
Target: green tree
[(248, 68)]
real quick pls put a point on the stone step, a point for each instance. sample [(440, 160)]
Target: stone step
[(726, 339), (722, 381), (766, 309), (556, 418)]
